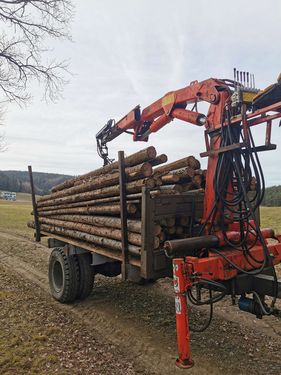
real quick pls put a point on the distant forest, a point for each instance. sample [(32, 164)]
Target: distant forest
[(18, 181), (272, 196)]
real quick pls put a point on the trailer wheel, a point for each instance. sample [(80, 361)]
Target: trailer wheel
[(63, 276), (86, 273)]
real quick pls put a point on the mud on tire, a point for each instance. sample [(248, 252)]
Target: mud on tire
[(63, 276)]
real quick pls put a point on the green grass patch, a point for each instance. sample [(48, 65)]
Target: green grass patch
[(14, 216)]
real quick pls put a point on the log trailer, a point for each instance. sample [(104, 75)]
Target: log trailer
[(228, 253), (231, 254)]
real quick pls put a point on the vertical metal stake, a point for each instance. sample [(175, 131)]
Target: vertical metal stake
[(34, 205), (183, 333), (123, 213)]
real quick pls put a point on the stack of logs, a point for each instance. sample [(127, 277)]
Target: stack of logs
[(87, 208)]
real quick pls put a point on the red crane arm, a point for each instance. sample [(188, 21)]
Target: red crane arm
[(172, 105)]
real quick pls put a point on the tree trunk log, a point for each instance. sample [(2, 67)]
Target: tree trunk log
[(179, 229), (171, 222), (184, 221), (171, 230), (100, 221), (166, 190), (134, 198), (189, 186), (161, 159), (162, 237), (157, 229), (137, 172), (107, 232), (170, 179), (156, 243), (182, 163), (185, 172), (109, 210), (130, 161), (102, 241), (131, 187)]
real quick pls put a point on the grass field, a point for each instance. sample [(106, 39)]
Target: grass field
[(15, 215), (271, 218)]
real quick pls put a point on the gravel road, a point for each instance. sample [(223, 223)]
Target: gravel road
[(122, 328)]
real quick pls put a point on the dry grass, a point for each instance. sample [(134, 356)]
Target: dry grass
[(15, 215), (271, 218)]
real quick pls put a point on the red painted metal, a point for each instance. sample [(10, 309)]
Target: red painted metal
[(188, 116), (159, 123), (214, 267), (183, 334), (130, 120)]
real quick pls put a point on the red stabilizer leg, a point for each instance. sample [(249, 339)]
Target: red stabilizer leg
[(183, 334)]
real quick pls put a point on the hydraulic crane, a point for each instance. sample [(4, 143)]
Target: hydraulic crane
[(231, 255)]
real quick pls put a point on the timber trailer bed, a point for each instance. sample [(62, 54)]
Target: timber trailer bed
[(150, 264)]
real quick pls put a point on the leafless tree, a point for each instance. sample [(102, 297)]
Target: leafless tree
[(27, 26)]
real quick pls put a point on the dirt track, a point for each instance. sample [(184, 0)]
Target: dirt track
[(131, 327)]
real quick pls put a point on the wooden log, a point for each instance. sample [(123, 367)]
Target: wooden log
[(178, 188), (163, 190), (189, 186), (164, 169), (171, 230), (157, 229), (161, 159), (168, 189), (139, 171), (156, 243), (133, 198), (197, 180), (163, 222), (131, 187), (171, 222), (95, 203), (110, 210), (184, 172), (184, 221), (158, 181), (162, 237), (179, 229), (170, 179), (194, 163), (108, 232), (130, 161), (102, 241), (100, 221)]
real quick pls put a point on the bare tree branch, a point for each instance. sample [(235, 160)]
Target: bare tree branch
[(28, 24)]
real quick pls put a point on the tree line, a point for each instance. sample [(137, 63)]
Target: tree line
[(272, 197), (18, 181)]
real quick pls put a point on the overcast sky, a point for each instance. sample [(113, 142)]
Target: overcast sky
[(131, 52)]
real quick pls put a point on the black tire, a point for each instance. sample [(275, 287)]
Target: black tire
[(86, 272), (63, 276)]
